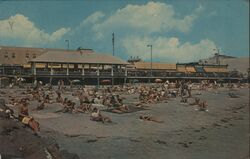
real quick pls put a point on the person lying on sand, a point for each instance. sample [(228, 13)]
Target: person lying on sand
[(196, 101), (150, 118), (83, 108), (97, 116), (121, 109), (232, 95), (7, 112), (23, 116)]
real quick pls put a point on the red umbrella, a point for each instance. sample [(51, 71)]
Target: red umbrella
[(158, 81), (106, 81)]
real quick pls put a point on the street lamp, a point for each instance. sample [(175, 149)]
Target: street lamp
[(217, 55), (68, 44), (151, 48)]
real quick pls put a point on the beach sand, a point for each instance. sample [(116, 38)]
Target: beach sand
[(222, 132)]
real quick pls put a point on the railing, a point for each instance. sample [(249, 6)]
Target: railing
[(105, 74), (119, 73), (75, 73), (42, 72), (89, 73), (60, 72)]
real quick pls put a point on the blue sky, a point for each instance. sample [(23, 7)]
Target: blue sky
[(179, 30)]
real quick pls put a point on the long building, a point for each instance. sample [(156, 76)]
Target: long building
[(87, 65)]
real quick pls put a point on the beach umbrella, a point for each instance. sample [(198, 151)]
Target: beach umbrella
[(76, 81), (21, 79), (135, 81), (106, 81)]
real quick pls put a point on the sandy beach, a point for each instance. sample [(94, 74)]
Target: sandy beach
[(221, 132)]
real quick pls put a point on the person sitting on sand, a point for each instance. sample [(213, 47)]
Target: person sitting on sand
[(59, 98), (35, 95), (65, 101), (86, 100), (69, 107), (81, 98), (203, 106), (47, 99), (23, 116), (115, 101), (97, 116), (41, 105), (150, 118), (183, 100), (106, 102)]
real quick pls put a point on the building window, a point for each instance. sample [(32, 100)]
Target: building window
[(6, 55), (34, 55), (13, 55), (27, 55)]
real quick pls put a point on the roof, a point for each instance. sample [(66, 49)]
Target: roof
[(17, 48), (189, 63), (190, 69), (213, 60), (79, 57), (181, 69), (240, 64), (155, 65), (210, 69)]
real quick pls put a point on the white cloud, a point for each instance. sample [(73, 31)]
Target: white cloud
[(168, 49), (21, 28), (93, 18), (212, 14), (88, 22), (149, 18)]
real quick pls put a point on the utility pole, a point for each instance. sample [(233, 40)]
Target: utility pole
[(151, 50), (67, 44), (113, 43)]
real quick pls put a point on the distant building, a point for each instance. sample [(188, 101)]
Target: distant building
[(240, 64), (18, 56), (89, 65), (38, 62)]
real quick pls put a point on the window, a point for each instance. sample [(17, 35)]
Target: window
[(27, 55), (34, 55), (13, 55), (6, 55)]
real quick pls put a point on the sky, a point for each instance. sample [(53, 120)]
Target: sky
[(178, 30)]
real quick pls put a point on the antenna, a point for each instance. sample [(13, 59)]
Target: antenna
[(11, 25), (113, 43), (217, 54)]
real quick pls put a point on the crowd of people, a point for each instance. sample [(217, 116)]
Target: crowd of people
[(109, 98)]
